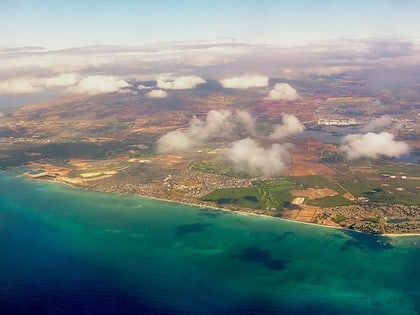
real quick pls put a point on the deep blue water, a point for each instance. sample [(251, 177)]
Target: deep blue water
[(67, 251)]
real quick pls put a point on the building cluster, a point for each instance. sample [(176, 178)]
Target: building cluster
[(337, 121), (376, 218)]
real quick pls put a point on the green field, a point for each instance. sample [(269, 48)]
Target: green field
[(339, 218), (273, 194), (358, 186), (276, 185), (243, 197)]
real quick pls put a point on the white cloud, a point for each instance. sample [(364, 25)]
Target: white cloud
[(181, 83), (283, 91), (372, 145), (245, 82), (175, 141), (218, 123), (248, 156), (98, 84), (290, 126), (246, 120), (157, 94), (142, 87), (378, 124)]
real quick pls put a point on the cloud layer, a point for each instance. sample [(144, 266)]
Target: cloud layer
[(372, 145), (284, 92), (384, 63), (26, 85), (245, 82)]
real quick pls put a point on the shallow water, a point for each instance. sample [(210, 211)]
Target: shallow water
[(67, 251)]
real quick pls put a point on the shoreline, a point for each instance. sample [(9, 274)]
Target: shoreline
[(238, 212)]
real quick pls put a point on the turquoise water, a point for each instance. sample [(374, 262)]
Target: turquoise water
[(66, 251)]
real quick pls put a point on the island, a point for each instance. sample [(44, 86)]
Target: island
[(110, 143)]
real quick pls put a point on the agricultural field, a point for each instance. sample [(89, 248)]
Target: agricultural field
[(392, 184), (398, 169)]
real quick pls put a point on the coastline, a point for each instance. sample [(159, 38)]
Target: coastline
[(238, 212)]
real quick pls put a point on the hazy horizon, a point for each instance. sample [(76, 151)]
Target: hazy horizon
[(51, 48), (55, 24)]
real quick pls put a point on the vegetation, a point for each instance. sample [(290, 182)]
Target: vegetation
[(373, 220), (398, 169), (216, 168), (279, 184), (357, 185), (330, 157), (63, 151), (391, 191), (275, 193), (244, 197), (329, 201), (339, 218), (120, 126)]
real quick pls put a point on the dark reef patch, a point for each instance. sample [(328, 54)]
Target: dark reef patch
[(283, 236), (191, 228), (255, 254), (208, 213)]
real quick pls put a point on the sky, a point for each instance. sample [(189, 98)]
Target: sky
[(64, 24)]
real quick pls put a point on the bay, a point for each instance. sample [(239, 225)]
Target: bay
[(69, 251)]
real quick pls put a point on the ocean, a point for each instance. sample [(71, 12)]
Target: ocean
[(70, 251)]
